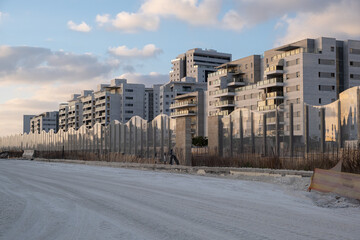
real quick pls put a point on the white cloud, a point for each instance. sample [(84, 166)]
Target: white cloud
[(233, 20), (3, 15), (197, 13), (129, 22), (148, 51), (82, 27), (34, 64), (203, 13), (102, 19), (326, 22)]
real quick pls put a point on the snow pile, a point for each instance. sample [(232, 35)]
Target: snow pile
[(332, 200)]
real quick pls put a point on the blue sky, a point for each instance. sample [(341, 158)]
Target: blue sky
[(50, 49)]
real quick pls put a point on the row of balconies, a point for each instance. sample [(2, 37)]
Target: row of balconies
[(183, 113), (183, 104)]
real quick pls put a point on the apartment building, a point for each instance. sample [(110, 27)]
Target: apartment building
[(171, 90), (63, 116), (196, 63), (118, 100), (192, 105), (88, 108), (312, 71), (149, 104), (228, 77), (189, 73), (26, 123), (45, 122)]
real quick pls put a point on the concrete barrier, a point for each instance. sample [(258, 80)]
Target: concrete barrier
[(28, 154)]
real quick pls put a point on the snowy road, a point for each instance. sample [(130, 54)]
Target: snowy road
[(65, 201)]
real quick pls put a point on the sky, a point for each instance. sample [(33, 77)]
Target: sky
[(52, 49)]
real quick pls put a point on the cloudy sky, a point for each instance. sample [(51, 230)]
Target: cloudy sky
[(51, 49)]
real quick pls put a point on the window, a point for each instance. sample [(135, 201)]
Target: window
[(129, 98), (129, 111), (129, 90), (332, 48), (319, 100), (326, 75)]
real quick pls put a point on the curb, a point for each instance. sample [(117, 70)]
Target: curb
[(221, 171)]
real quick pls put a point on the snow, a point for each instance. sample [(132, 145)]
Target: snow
[(41, 200)]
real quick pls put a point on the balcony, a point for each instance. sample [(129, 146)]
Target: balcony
[(183, 113), (183, 104), (215, 82), (275, 95), (220, 113), (267, 108), (222, 92), (226, 103), (235, 82), (274, 70), (272, 82)]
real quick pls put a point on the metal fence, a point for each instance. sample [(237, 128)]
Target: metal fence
[(292, 130), (137, 137)]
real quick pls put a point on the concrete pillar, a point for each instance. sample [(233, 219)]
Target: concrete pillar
[(306, 130), (277, 135), (183, 140), (264, 135), (322, 130), (291, 129), (215, 135), (169, 136)]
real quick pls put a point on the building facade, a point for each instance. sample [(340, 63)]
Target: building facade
[(45, 122), (192, 105), (26, 123), (311, 71)]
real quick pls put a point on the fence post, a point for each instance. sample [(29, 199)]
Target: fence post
[(148, 126), (154, 138), (264, 135), (183, 140), (339, 142), (241, 133), (124, 128), (291, 129), (215, 135), (130, 137), (162, 138), (169, 136), (141, 139), (252, 132), (231, 136), (135, 138), (322, 130), (307, 134), (277, 134)]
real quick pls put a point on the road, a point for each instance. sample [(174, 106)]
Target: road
[(66, 201)]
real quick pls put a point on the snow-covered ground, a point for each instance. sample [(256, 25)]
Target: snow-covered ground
[(66, 201)]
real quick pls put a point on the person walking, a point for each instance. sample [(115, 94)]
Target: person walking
[(173, 157)]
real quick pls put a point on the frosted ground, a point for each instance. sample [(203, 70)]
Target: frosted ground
[(67, 201)]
